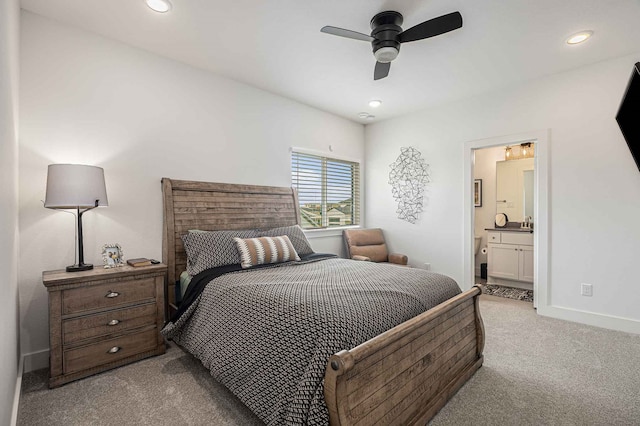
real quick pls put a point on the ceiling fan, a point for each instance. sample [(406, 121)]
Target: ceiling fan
[(387, 35)]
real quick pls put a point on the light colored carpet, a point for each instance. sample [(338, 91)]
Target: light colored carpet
[(543, 371), (170, 389), (537, 371)]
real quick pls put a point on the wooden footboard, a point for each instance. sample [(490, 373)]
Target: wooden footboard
[(407, 374)]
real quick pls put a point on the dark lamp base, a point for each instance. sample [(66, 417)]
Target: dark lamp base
[(81, 267)]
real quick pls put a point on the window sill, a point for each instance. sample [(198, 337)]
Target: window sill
[(327, 232)]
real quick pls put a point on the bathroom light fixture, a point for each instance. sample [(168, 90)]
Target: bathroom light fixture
[(579, 37), (375, 103), (507, 153), (160, 6), (519, 152)]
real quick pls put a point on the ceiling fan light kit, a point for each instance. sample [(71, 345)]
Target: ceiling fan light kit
[(386, 54), (387, 35), (385, 28)]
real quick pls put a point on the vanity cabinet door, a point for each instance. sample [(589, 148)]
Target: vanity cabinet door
[(526, 263), (503, 261)]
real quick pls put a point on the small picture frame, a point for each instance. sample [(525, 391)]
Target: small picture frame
[(112, 256), (477, 192)]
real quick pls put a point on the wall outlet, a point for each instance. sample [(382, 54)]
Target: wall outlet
[(427, 266), (586, 289)]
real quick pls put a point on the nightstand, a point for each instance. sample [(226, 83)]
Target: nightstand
[(103, 318)]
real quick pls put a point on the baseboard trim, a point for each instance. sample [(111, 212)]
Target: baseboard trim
[(610, 322), (36, 360), (18, 392)]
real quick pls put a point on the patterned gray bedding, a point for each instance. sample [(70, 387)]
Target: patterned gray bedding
[(267, 334)]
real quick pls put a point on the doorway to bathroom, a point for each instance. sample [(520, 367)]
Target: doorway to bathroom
[(506, 206), (504, 220)]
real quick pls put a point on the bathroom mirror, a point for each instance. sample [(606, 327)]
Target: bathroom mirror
[(514, 188)]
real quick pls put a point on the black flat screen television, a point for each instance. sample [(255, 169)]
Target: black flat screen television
[(628, 117)]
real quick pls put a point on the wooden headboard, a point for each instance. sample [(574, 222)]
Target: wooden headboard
[(218, 206)]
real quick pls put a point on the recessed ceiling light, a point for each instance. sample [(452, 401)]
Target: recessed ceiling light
[(375, 103), (161, 6), (579, 37)]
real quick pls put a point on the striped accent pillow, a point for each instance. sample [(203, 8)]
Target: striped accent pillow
[(263, 250)]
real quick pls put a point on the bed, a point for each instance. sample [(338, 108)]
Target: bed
[(403, 374)]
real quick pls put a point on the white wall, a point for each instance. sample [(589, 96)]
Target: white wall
[(88, 99), (9, 348), (594, 183), (485, 169)]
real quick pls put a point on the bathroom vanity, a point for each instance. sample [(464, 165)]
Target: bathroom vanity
[(510, 248), (510, 257)]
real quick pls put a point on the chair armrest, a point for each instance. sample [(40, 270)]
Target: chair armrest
[(356, 257), (399, 259)]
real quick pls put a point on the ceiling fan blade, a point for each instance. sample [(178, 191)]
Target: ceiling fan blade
[(381, 70), (433, 27), (346, 33)]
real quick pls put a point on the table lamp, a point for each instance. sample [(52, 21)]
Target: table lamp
[(79, 187)]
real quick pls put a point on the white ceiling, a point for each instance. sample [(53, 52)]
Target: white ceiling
[(277, 45)]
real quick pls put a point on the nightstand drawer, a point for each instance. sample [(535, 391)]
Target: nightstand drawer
[(107, 295), (109, 351), (82, 328)]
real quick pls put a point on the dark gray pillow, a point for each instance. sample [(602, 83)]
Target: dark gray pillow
[(213, 248), (295, 234)]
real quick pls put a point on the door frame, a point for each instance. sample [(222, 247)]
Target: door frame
[(541, 253)]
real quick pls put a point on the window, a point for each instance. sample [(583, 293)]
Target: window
[(328, 190)]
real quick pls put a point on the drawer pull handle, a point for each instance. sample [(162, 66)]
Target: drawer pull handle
[(113, 322), (114, 350), (112, 294)]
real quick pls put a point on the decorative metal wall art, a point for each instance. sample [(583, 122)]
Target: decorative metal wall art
[(408, 177)]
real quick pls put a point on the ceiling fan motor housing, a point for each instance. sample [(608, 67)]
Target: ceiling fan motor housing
[(385, 28)]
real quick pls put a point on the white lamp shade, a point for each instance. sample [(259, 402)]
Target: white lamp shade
[(71, 186)]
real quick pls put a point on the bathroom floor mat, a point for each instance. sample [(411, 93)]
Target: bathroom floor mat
[(508, 292)]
